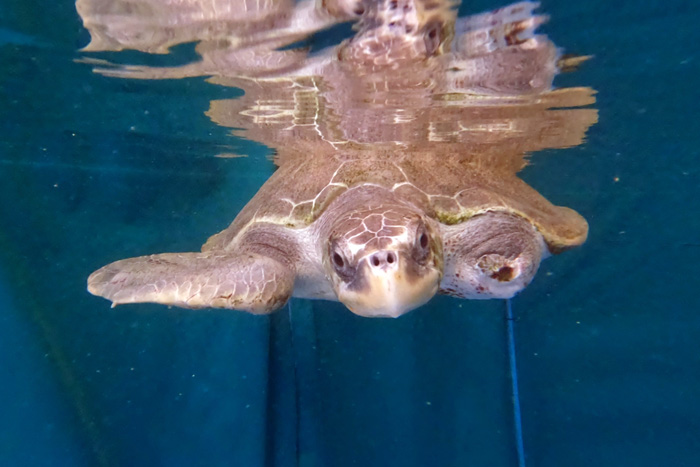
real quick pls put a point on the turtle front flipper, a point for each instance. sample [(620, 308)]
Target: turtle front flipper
[(491, 255), (246, 281)]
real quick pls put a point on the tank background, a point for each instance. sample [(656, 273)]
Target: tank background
[(94, 169)]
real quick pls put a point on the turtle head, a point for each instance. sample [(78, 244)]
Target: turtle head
[(392, 32), (383, 262)]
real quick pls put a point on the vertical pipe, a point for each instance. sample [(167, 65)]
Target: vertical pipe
[(517, 420), (297, 410)]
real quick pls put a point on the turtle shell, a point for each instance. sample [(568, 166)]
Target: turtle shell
[(451, 161)]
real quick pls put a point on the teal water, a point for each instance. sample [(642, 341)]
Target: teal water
[(93, 169)]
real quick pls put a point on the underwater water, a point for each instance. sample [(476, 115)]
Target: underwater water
[(95, 169)]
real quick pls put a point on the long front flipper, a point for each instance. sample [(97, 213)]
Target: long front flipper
[(248, 281)]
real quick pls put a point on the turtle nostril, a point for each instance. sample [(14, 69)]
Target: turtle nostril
[(383, 258)]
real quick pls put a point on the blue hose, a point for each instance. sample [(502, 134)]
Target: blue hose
[(517, 420)]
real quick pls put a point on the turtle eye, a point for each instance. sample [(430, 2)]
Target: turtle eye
[(341, 265), (422, 246), (338, 260), (423, 240), (432, 37)]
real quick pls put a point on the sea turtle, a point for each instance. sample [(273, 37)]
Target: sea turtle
[(382, 235), (383, 223)]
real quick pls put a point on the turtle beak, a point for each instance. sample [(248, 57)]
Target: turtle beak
[(388, 284)]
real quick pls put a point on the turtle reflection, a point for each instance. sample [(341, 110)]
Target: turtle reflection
[(397, 152)]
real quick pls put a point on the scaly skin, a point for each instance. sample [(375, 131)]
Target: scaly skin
[(248, 282), (382, 255)]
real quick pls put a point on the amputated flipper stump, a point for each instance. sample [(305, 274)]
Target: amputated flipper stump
[(248, 282)]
